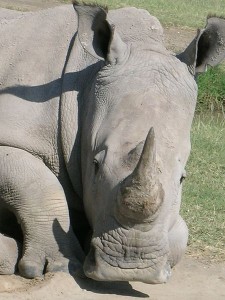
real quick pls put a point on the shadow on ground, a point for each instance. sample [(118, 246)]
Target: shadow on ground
[(116, 288)]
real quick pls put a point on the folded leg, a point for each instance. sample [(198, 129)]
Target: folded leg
[(33, 193)]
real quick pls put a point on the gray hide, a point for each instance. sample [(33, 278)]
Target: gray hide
[(94, 138)]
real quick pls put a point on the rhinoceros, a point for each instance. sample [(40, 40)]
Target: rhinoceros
[(95, 119)]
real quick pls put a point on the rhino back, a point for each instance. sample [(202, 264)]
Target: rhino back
[(33, 50), (136, 25)]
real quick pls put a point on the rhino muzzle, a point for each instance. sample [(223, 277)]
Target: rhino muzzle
[(97, 268), (123, 254), (141, 194)]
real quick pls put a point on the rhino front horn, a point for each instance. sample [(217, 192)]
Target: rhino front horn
[(141, 194)]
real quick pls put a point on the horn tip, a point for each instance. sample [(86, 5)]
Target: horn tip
[(152, 129), (151, 133)]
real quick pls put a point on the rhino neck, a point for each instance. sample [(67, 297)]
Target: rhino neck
[(79, 69)]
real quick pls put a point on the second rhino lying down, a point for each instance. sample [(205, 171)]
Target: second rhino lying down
[(95, 118)]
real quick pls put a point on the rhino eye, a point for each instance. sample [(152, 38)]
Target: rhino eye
[(98, 160), (96, 165), (184, 175)]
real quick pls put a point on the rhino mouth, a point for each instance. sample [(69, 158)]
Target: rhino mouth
[(116, 257)]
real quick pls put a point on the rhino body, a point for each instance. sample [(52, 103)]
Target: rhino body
[(94, 138)]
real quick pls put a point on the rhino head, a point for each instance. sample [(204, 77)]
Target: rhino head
[(135, 141)]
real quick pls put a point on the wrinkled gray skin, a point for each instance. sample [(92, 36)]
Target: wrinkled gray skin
[(95, 125)]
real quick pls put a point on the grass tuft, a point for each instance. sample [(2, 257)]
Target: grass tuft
[(203, 205), (211, 94)]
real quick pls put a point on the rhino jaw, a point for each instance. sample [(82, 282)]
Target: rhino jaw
[(97, 268), (111, 260)]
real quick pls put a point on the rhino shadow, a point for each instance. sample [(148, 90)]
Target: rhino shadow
[(119, 288), (99, 287), (53, 89), (67, 82)]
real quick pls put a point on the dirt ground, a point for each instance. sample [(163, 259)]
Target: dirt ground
[(191, 280)]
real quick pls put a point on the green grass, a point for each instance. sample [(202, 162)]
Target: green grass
[(183, 13), (203, 204), (22, 9), (211, 94)]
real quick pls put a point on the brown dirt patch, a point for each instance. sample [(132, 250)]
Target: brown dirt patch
[(177, 39), (191, 280)]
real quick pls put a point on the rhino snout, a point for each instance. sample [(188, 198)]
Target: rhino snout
[(97, 268), (128, 255)]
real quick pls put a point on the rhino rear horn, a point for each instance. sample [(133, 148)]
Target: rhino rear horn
[(141, 193)]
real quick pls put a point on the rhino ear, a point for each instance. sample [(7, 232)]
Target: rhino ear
[(208, 47), (96, 35)]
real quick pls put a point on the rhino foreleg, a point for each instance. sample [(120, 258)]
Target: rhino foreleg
[(33, 193)]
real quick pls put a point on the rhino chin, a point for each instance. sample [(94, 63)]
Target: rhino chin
[(97, 266)]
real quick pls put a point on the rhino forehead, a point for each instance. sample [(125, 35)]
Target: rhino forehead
[(159, 93), (147, 67), (124, 131)]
